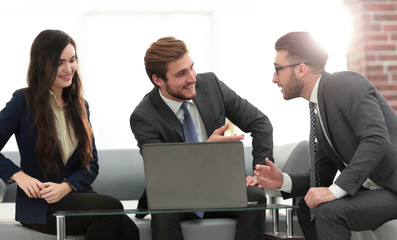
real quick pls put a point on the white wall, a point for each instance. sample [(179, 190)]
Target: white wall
[(234, 39)]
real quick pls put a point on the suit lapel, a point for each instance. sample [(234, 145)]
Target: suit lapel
[(205, 109), (166, 112), (323, 112), (72, 159), (321, 102)]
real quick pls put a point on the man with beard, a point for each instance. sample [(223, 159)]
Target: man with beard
[(159, 119), (356, 131)]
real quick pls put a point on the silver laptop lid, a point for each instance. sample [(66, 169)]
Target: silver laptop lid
[(195, 175)]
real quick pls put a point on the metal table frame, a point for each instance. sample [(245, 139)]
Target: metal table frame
[(289, 222), (61, 216)]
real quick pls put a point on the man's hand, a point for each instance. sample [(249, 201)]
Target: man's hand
[(53, 192), (217, 135), (317, 196), (31, 186), (269, 176), (251, 181)]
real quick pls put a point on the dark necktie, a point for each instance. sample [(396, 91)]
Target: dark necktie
[(189, 130), (314, 181)]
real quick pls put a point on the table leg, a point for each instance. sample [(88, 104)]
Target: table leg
[(290, 230), (276, 235), (275, 221), (61, 228)]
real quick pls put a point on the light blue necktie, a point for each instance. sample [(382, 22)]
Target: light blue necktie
[(189, 130), (314, 180)]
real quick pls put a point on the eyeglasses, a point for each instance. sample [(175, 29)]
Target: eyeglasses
[(277, 69)]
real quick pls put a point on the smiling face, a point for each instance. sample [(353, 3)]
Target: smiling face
[(286, 79), (66, 69), (181, 80)]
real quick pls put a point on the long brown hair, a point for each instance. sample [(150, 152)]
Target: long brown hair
[(44, 60)]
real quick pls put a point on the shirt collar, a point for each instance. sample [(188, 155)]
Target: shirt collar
[(172, 104), (54, 98), (314, 95)]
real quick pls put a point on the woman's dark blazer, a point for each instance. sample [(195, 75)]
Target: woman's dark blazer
[(16, 119)]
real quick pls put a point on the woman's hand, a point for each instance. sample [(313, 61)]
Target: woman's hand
[(53, 192), (31, 186)]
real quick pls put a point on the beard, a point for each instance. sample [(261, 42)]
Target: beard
[(293, 88), (179, 94)]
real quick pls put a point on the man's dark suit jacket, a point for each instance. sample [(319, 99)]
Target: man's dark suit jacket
[(362, 127), (153, 121), (16, 119)]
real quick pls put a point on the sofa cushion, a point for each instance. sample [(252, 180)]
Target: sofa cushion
[(120, 174), (387, 230)]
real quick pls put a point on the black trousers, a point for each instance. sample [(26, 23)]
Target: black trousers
[(250, 224), (93, 227), (367, 210)]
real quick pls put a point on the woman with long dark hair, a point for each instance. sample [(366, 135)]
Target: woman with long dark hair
[(50, 120)]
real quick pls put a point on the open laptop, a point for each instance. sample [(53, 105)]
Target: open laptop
[(198, 175)]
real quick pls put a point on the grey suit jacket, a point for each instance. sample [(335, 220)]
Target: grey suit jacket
[(362, 128), (153, 121)]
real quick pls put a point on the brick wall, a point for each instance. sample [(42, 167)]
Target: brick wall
[(373, 49)]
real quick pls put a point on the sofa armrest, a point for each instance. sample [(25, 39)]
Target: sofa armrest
[(10, 193), (2, 191), (292, 157)]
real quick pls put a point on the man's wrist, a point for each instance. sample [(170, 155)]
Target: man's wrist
[(287, 183), (337, 191)]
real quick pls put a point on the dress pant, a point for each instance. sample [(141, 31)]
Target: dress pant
[(93, 227), (367, 210), (250, 224)]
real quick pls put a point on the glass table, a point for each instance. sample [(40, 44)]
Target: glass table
[(61, 221)]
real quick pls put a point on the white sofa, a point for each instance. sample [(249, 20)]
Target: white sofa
[(121, 175)]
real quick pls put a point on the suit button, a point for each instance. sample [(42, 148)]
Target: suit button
[(354, 185)]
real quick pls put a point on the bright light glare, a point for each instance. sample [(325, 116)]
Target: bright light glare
[(335, 37), (234, 39)]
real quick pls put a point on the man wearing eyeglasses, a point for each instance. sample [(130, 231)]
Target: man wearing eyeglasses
[(356, 132)]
